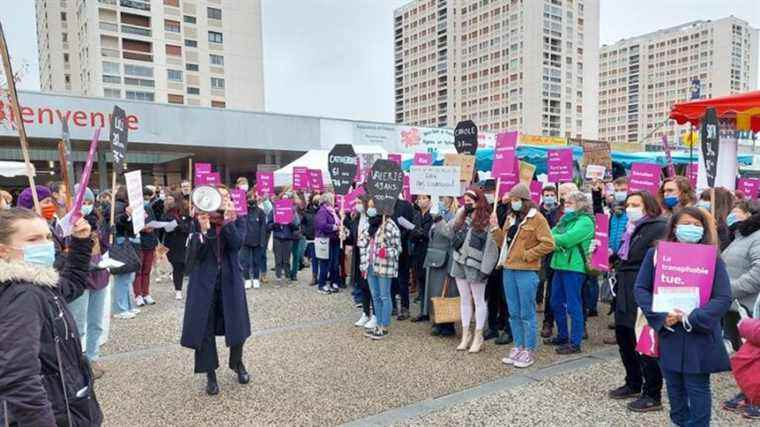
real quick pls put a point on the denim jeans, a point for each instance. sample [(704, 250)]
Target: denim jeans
[(297, 257), (690, 398), (89, 311), (380, 288), (328, 268), (263, 255), (312, 255), (566, 300), (122, 297), (520, 289), (250, 261), (590, 294)]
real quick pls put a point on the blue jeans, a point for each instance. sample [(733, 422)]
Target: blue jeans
[(520, 288), (566, 300), (297, 257), (88, 311), (263, 255), (380, 288), (122, 286), (690, 398), (328, 268), (250, 261), (590, 294), (312, 255)]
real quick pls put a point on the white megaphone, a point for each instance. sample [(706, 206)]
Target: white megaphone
[(207, 199)]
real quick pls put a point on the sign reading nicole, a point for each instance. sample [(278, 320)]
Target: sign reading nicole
[(118, 138), (466, 137), (342, 166), (384, 184)]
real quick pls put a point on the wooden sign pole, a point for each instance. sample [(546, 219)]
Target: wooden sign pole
[(17, 117), (65, 177), (190, 170), (496, 198), (113, 202)]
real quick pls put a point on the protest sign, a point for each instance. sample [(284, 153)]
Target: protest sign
[(465, 162), (211, 178), (526, 172), (600, 258), (202, 168), (509, 179), (596, 153), (264, 183), (435, 180), (240, 201), (67, 166), (595, 172), (76, 209), (350, 198), (504, 154), (315, 180), (466, 137), (342, 166), (645, 177), (118, 137), (560, 165), (283, 211), (423, 159), (384, 184), (395, 158), (683, 276), (136, 202), (692, 170), (749, 186), (300, 178), (366, 160), (406, 191), (536, 188), (710, 140), (671, 170)]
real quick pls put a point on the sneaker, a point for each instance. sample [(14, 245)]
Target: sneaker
[(525, 359), (372, 324), (403, 315), (362, 321), (644, 404), (369, 332), (751, 412), (335, 286), (325, 290), (624, 392), (736, 404), (178, 295), (567, 349), (510, 359), (256, 284), (139, 301), (135, 311), (124, 315), (248, 284), (378, 334), (555, 341), (149, 300)]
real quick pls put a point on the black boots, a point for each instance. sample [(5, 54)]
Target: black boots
[(212, 387), (242, 375)]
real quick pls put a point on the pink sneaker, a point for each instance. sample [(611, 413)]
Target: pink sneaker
[(510, 360), (524, 359)]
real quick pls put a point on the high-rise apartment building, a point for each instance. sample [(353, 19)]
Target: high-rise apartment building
[(642, 77), (528, 65), (193, 52)]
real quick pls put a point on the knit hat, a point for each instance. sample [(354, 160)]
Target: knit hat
[(88, 194), (25, 199), (520, 191)]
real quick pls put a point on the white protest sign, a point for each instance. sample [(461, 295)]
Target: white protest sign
[(135, 194), (435, 180), (595, 172)]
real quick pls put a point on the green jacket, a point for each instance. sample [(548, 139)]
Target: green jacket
[(572, 232)]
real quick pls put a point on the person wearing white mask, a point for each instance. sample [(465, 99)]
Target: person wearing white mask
[(242, 184)]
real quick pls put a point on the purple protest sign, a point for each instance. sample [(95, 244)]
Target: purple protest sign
[(211, 178), (202, 168), (300, 178), (668, 156), (264, 183), (560, 165), (536, 188), (395, 157), (406, 189), (645, 177), (240, 201), (692, 170), (349, 200), (749, 187), (76, 209), (423, 159), (684, 274), (315, 180), (600, 258), (283, 211), (509, 179), (504, 154)]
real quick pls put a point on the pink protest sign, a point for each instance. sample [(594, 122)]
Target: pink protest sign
[(240, 201), (211, 178), (560, 165), (406, 190), (692, 170), (600, 258), (315, 180), (202, 168), (349, 200), (264, 183), (504, 154), (423, 159), (283, 211), (395, 157), (535, 191), (300, 178), (749, 187), (509, 179), (683, 277), (645, 177), (76, 210)]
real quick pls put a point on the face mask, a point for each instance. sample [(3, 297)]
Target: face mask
[(620, 196), (517, 206), (732, 219), (359, 208), (687, 233), (469, 208), (371, 212), (87, 209), (48, 212), (671, 201), (704, 204), (550, 201), (186, 191), (569, 210), (267, 205), (243, 187), (634, 214), (162, 196), (40, 254), (442, 207)]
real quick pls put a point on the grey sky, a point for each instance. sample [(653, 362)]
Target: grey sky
[(334, 58)]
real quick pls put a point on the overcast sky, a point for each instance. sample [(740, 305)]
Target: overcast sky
[(334, 58)]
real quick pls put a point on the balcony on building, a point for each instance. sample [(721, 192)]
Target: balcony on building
[(142, 5), (135, 24), (137, 50)]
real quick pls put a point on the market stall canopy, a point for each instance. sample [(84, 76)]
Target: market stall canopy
[(11, 169), (745, 108), (317, 159)]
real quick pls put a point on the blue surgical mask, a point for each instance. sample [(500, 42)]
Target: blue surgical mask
[(550, 201), (569, 210), (371, 212), (620, 196), (687, 233), (704, 204), (518, 205), (87, 209), (732, 219), (40, 254), (671, 201)]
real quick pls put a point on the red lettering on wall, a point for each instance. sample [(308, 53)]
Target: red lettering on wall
[(132, 122), (99, 116), (27, 112), (47, 111), (80, 118)]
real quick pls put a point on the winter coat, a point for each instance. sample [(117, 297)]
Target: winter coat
[(530, 244), (176, 240), (749, 329), (387, 236), (324, 223), (33, 312), (421, 237), (309, 215), (469, 262), (742, 258), (438, 261), (572, 235), (643, 238), (700, 351), (618, 223), (256, 227), (291, 231), (552, 215), (217, 263), (148, 239)]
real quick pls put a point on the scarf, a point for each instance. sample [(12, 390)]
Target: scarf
[(625, 246)]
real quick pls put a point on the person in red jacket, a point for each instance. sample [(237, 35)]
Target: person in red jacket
[(746, 369)]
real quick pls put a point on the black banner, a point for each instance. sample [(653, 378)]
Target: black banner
[(710, 140), (384, 184), (342, 166), (466, 137), (118, 136)]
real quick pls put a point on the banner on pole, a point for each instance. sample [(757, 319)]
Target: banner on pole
[(136, 202)]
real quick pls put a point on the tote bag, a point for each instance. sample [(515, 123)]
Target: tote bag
[(322, 247)]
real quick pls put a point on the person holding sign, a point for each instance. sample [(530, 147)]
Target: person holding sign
[(284, 234), (675, 194), (690, 343), (524, 240), (254, 244), (124, 238)]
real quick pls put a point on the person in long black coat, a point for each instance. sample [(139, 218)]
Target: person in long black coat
[(176, 209), (216, 302)]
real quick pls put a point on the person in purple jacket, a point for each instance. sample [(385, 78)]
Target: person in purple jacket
[(327, 244)]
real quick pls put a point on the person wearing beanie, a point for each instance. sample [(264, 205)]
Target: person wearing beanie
[(524, 240), (45, 197)]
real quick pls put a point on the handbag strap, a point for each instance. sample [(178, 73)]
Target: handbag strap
[(445, 286)]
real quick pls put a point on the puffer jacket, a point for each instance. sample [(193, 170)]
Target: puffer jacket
[(572, 235), (387, 236), (37, 335), (742, 258)]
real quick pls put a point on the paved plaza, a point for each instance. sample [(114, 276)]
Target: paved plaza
[(310, 366)]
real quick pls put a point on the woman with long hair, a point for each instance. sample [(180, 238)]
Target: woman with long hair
[(675, 193), (724, 202), (176, 208)]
